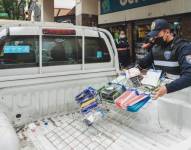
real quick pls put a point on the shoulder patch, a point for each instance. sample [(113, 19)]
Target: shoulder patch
[(188, 59)]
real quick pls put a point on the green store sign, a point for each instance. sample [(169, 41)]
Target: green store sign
[(3, 15), (109, 6)]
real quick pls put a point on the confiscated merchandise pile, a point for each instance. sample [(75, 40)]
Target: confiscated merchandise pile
[(124, 93)]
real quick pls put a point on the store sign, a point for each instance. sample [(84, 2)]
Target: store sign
[(3, 15), (109, 6)]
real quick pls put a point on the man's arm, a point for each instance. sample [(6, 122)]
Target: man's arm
[(184, 58), (179, 84)]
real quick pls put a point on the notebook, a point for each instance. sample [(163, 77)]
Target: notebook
[(152, 78)]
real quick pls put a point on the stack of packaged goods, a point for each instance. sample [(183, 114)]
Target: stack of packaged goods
[(132, 101), (87, 100), (89, 106)]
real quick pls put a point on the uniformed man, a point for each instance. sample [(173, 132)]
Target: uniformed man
[(170, 54)]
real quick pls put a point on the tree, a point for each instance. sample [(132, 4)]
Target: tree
[(3, 15), (14, 8)]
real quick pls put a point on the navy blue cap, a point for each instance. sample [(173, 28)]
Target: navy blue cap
[(157, 26)]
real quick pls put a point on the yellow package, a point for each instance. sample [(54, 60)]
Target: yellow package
[(87, 103)]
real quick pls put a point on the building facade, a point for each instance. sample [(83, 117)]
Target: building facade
[(87, 12), (135, 17)]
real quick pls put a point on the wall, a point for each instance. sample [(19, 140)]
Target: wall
[(78, 13), (48, 10), (87, 13), (90, 7), (186, 30), (161, 9), (78, 7)]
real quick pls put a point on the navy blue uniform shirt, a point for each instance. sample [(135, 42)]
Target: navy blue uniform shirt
[(184, 59)]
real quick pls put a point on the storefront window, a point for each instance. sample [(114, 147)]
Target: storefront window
[(141, 31), (115, 31), (176, 28)]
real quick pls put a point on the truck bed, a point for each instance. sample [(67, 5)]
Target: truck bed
[(118, 130)]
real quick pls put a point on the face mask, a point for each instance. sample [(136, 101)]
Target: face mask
[(122, 36), (160, 41)]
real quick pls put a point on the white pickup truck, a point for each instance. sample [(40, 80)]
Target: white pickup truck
[(43, 66)]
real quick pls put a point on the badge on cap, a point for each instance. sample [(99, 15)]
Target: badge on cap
[(167, 55), (188, 59), (153, 25)]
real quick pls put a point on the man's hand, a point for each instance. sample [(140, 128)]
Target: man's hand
[(146, 45), (160, 92)]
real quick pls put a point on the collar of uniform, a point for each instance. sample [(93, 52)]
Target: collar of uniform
[(175, 41), (178, 42)]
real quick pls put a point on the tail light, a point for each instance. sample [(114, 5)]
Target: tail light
[(59, 31)]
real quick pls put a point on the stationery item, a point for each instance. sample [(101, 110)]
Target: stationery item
[(152, 78), (88, 93), (136, 107), (87, 100), (136, 99), (131, 100), (85, 104), (89, 107), (94, 116), (119, 102), (133, 72)]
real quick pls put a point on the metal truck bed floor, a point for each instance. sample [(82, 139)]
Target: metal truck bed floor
[(119, 130)]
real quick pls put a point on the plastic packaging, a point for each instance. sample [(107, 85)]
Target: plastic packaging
[(87, 94), (132, 101), (139, 105), (121, 101), (89, 107), (87, 100), (112, 91), (94, 116), (85, 104)]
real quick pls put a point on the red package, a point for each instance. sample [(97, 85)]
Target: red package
[(120, 101), (133, 100)]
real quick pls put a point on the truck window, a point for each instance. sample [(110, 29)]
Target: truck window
[(61, 50), (96, 50), (19, 52)]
